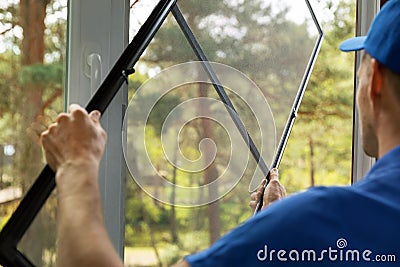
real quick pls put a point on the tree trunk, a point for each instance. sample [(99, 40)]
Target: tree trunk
[(211, 173), (31, 19), (312, 164), (149, 228), (174, 233), (32, 15)]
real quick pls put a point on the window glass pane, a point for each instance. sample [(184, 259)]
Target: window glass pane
[(270, 43), (32, 51)]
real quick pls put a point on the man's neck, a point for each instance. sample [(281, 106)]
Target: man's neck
[(389, 136)]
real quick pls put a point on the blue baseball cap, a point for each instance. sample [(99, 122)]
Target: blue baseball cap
[(383, 39)]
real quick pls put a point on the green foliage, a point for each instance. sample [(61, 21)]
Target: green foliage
[(41, 74), (161, 111), (246, 35), (324, 126), (171, 254), (193, 241), (30, 96), (325, 116)]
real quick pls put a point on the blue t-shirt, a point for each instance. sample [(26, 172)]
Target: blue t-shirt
[(357, 225)]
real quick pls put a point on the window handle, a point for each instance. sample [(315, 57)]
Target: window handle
[(94, 61)]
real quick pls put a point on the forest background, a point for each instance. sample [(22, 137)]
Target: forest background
[(32, 73)]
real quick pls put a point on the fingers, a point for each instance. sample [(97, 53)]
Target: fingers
[(255, 196), (75, 107), (77, 111), (44, 135), (62, 118), (95, 116), (274, 174), (73, 111), (78, 129), (274, 190), (47, 140), (38, 126)]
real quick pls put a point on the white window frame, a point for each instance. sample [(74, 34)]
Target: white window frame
[(98, 32), (366, 11)]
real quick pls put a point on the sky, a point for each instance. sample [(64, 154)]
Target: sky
[(142, 9)]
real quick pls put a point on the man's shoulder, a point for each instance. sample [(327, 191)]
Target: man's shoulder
[(315, 210), (318, 220), (326, 213), (315, 198), (338, 201)]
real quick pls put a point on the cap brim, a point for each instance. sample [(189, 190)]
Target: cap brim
[(353, 44)]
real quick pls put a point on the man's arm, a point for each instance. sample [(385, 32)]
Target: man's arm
[(74, 146)]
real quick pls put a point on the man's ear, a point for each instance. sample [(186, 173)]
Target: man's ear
[(377, 80)]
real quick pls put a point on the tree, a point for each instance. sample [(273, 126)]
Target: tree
[(33, 89), (320, 146), (258, 39), (251, 36)]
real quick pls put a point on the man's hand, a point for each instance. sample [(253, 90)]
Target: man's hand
[(75, 137), (274, 191), (74, 145)]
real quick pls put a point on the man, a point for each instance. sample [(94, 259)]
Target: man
[(325, 226)]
